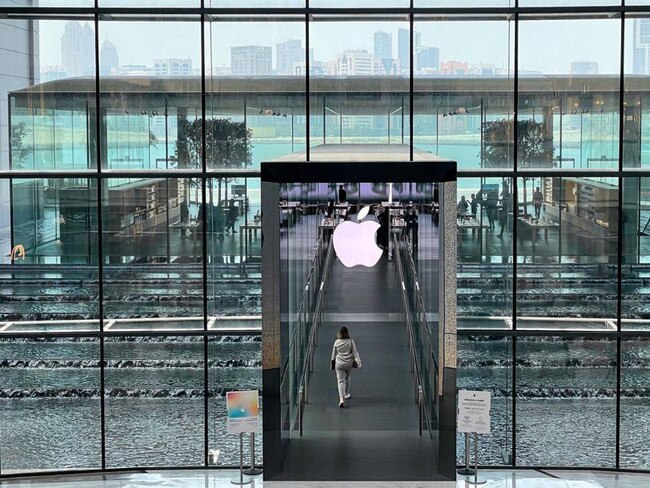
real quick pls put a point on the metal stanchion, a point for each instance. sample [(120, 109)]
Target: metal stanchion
[(466, 471), (241, 481), (476, 480), (252, 471)]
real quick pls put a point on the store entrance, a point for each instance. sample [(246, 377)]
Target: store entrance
[(342, 251)]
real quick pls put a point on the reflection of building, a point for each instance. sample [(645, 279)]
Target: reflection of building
[(457, 68), (428, 58), (404, 45), (109, 61), (136, 70), (50, 73), (251, 60), (172, 67), (641, 52), (584, 68), (383, 50), (357, 62), (287, 54), (78, 49)]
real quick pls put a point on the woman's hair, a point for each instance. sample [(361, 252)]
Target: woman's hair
[(343, 333)]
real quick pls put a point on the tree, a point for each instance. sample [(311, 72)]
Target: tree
[(227, 145), (19, 150), (534, 149)]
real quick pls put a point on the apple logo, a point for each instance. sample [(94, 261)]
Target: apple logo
[(354, 242)]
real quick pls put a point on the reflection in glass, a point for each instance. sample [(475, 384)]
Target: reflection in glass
[(235, 363), (464, 109), (574, 123), (49, 394), (635, 382), (567, 245), (234, 235), (485, 363), (152, 237), (569, 384), (635, 312), (254, 103), (484, 246), (49, 129), (151, 110), (154, 401), (359, 85), (49, 251)]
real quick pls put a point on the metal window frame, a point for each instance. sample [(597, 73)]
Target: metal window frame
[(414, 13)]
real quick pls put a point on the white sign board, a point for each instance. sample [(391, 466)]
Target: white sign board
[(243, 411), (474, 411)]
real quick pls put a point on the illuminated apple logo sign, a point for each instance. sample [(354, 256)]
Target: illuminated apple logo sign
[(354, 242)]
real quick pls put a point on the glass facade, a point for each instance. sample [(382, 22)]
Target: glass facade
[(130, 209)]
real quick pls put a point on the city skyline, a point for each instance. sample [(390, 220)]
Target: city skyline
[(498, 40)]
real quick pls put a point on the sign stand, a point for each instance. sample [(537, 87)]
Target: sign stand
[(243, 416), (241, 481), (466, 471), (473, 417), (252, 471), (476, 480)]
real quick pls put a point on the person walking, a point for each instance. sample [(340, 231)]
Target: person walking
[(345, 358), (537, 202)]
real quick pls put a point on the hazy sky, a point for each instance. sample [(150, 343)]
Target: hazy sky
[(546, 46)]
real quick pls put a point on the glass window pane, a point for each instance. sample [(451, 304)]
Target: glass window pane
[(150, 3), (255, 103), (154, 401), (235, 363), (636, 135), (567, 253), (234, 250), (150, 97), (569, 77), (566, 401), (635, 313), (359, 85), (50, 404), (152, 237), (635, 381), (358, 4), (484, 270), (464, 92), (48, 249), (49, 129), (464, 3), (485, 363)]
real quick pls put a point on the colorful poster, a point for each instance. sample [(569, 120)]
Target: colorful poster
[(243, 411)]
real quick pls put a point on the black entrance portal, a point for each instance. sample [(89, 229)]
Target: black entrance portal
[(399, 423)]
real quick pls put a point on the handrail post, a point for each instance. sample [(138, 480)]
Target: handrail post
[(420, 407), (300, 409)]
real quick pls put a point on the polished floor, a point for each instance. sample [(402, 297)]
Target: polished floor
[(222, 479), (376, 436)]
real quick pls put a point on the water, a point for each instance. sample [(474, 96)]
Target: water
[(154, 401)]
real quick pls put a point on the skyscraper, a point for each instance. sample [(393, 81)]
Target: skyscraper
[(404, 45), (251, 60), (428, 58), (109, 61), (172, 67), (78, 49), (383, 45), (641, 52), (384, 50), (287, 54)]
